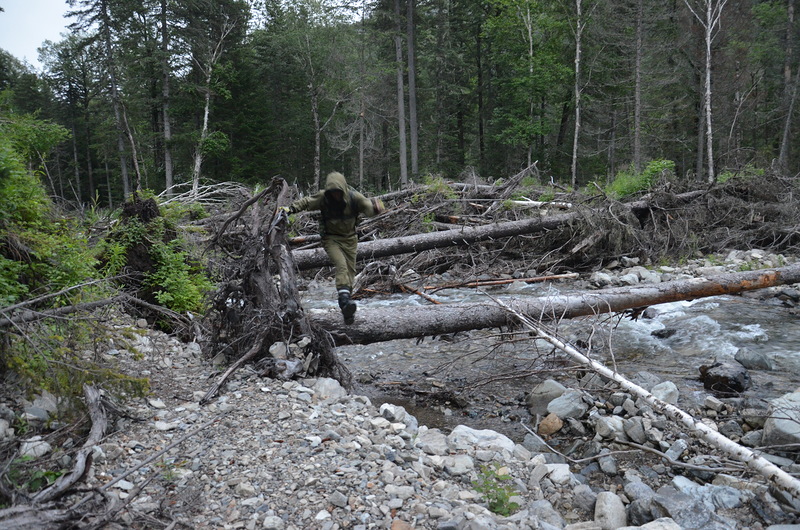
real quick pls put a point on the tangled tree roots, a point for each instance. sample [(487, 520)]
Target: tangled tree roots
[(256, 314)]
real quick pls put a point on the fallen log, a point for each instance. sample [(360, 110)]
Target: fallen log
[(384, 324), (774, 475), (309, 259), (466, 235)]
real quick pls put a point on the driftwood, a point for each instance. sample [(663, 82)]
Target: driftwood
[(252, 310), (466, 235), (384, 324), (40, 512), (774, 475)]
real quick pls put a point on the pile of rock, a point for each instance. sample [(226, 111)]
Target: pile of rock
[(299, 455)]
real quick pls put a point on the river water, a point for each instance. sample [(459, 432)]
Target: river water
[(480, 378)]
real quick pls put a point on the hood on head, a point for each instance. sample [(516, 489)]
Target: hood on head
[(335, 181)]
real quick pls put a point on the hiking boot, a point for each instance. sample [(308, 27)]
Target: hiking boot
[(347, 306)]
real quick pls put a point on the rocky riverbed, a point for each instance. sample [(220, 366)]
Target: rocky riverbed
[(305, 454)]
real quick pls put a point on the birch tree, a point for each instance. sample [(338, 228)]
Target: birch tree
[(708, 13)]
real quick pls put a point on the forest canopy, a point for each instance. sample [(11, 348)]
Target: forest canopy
[(158, 93)]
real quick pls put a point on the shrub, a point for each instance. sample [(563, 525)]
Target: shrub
[(628, 182)]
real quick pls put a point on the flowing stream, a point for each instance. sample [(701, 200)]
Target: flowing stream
[(494, 371)]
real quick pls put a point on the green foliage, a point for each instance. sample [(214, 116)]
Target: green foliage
[(436, 185), (547, 196), (746, 173), (38, 252), (26, 477), (177, 281), (496, 494), (628, 183), (427, 222), (53, 359), (179, 284)]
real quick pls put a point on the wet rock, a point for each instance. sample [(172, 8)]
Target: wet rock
[(753, 360), (725, 378), (783, 420)]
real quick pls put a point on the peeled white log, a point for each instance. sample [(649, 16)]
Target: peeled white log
[(774, 475)]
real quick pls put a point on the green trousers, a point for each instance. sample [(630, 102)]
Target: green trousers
[(342, 252)]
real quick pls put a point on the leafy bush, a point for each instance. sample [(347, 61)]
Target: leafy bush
[(153, 249), (38, 252), (178, 283), (628, 183)]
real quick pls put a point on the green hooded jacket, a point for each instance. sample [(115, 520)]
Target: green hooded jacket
[(337, 219)]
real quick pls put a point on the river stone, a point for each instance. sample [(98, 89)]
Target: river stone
[(666, 392), (685, 510), (783, 422), (725, 378), (609, 511), (463, 437), (459, 464), (635, 429), (34, 447), (755, 418), (534, 444), (601, 279), (753, 360), (544, 511), (568, 405), (665, 523), (432, 441), (584, 497), (6, 431), (327, 388), (609, 427), (645, 380), (551, 424), (636, 489), (542, 395)]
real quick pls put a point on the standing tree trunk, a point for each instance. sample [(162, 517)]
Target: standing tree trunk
[(165, 100), (207, 67), (401, 107), (790, 89), (579, 26), (710, 22), (412, 90), (115, 99), (637, 96)]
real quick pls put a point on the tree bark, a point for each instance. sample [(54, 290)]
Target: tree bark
[(413, 125), (309, 259), (384, 324), (401, 107), (165, 100)]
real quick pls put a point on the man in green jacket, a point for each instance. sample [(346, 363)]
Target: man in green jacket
[(339, 207)]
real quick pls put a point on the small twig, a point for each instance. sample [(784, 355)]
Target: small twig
[(152, 457), (678, 463)]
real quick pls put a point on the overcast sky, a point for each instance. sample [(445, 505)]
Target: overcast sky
[(26, 24)]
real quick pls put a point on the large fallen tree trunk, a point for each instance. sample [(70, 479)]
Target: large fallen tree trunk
[(383, 324), (312, 258)]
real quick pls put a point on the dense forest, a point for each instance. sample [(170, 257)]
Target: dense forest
[(153, 94)]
